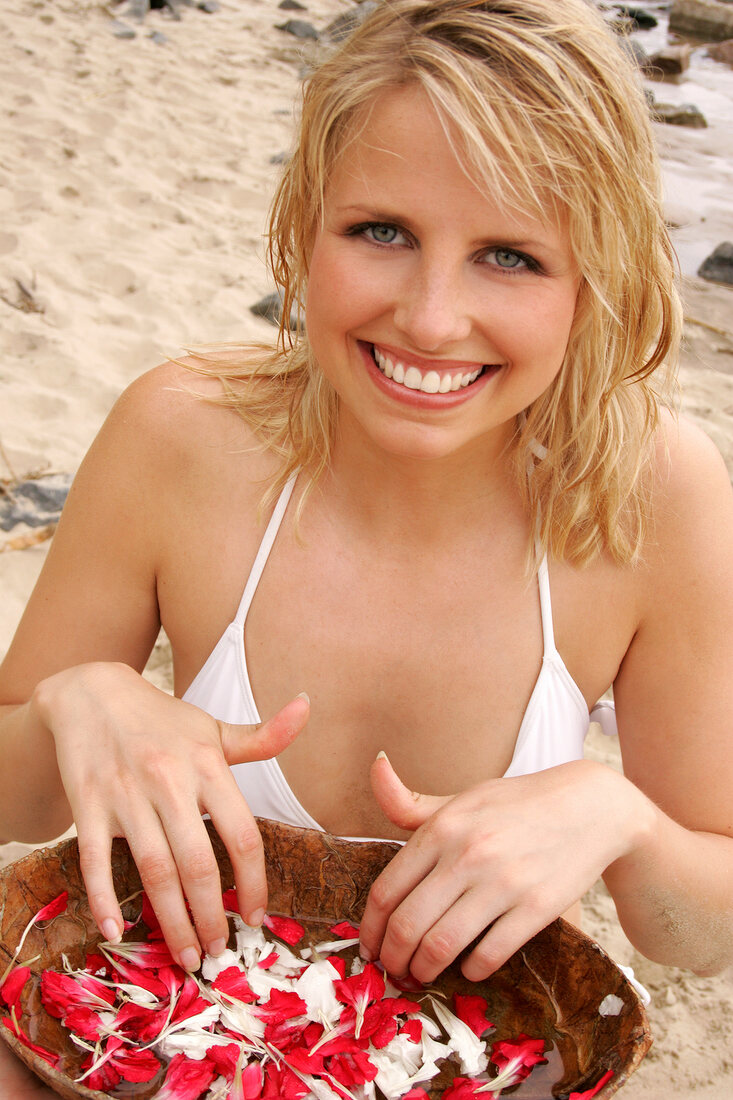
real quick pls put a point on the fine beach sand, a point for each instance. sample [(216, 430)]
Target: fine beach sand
[(134, 182)]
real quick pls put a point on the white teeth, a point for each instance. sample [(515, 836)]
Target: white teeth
[(430, 382)]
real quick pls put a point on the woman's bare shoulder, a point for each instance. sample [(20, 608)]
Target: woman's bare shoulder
[(692, 500), (172, 419)]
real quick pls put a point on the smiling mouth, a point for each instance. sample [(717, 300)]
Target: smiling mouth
[(426, 381)]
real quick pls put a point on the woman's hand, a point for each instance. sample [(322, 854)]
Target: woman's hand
[(137, 763), (17, 1082), (509, 855)]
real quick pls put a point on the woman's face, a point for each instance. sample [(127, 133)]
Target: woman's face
[(436, 312)]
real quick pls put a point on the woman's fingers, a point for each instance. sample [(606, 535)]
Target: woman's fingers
[(505, 936), (403, 874), (146, 766), (160, 874), (240, 744), (405, 808), (238, 830), (191, 876), (454, 928), (95, 847)]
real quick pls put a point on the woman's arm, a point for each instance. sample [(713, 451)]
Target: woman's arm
[(17, 1082), (82, 734), (674, 700)]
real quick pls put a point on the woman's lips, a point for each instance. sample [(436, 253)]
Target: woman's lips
[(430, 380), (425, 383)]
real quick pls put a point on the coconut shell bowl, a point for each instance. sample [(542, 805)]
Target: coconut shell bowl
[(552, 988)]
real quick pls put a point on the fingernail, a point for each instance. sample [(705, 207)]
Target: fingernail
[(304, 695), (190, 959), (111, 930), (382, 755), (217, 948), (365, 953), (254, 920)]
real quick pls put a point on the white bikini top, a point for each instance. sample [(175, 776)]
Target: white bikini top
[(552, 732)]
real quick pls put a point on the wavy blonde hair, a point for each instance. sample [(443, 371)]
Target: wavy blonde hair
[(544, 105)]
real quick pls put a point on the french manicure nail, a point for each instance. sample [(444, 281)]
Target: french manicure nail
[(111, 930), (217, 948), (254, 920), (190, 959), (304, 695)]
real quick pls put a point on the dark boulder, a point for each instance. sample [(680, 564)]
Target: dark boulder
[(718, 267), (705, 19)]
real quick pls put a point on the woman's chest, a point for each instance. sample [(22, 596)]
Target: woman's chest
[(432, 658)]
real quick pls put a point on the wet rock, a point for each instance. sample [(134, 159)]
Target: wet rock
[(711, 19), (718, 267), (135, 9), (121, 30), (342, 26), (684, 114), (34, 503), (636, 51), (670, 61), (639, 18), (299, 28), (270, 308), (722, 51), (291, 5)]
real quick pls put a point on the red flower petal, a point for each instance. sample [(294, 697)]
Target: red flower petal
[(150, 919), (413, 1030), (596, 1088), (282, 1084), (84, 1022), (463, 1088), (225, 1058), (13, 1026), (230, 900), (48, 912), (472, 1010), (233, 982), (12, 987), (186, 1079), (338, 963), (285, 928), (265, 964), (344, 930), (527, 1053)]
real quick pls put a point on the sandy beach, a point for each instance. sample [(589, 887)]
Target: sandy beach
[(134, 183)]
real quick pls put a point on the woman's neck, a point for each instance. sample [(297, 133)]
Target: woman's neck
[(423, 498)]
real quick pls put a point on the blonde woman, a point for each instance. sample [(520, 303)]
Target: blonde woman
[(459, 512)]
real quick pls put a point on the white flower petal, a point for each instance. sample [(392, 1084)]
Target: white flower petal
[(315, 986), (462, 1041), (212, 966)]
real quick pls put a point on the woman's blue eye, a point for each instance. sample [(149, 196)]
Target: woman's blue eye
[(509, 260), (382, 234), (505, 258)]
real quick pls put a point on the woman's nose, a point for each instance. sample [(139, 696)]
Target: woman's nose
[(433, 308)]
